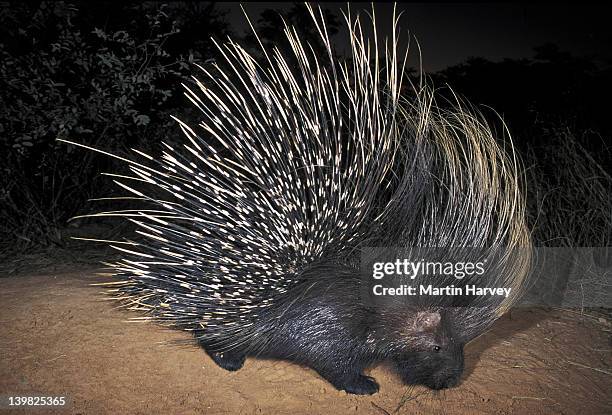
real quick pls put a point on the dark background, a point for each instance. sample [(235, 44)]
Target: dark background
[(450, 33), (108, 74)]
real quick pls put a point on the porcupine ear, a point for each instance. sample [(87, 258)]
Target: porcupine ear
[(427, 321)]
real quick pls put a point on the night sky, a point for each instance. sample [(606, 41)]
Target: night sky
[(449, 33)]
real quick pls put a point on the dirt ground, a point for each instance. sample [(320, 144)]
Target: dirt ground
[(59, 337)]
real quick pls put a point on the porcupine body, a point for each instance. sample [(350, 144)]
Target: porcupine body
[(298, 163)]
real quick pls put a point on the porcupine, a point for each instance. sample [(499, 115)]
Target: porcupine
[(300, 162)]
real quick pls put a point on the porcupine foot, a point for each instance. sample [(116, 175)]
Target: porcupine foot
[(357, 384), (228, 360), (361, 385)]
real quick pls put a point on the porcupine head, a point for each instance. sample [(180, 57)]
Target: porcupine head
[(425, 345), (298, 162)]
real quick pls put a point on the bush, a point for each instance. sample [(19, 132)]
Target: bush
[(568, 191), (62, 76)]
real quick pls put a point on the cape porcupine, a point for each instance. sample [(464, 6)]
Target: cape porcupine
[(253, 248)]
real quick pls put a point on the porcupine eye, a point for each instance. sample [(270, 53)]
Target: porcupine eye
[(436, 348)]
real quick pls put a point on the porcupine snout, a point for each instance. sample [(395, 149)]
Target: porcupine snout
[(434, 353), (450, 371), (440, 367)]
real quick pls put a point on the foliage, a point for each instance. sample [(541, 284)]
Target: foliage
[(65, 73), (569, 203)]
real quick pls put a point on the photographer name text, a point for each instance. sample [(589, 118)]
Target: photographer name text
[(450, 290)]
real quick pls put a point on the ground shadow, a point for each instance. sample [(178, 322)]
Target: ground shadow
[(513, 322)]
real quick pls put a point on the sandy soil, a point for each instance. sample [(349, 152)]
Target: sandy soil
[(58, 337)]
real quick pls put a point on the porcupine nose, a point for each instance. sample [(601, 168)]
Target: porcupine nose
[(456, 372), (451, 376), (453, 379), (446, 380)]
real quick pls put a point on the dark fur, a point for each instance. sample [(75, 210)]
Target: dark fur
[(325, 324)]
